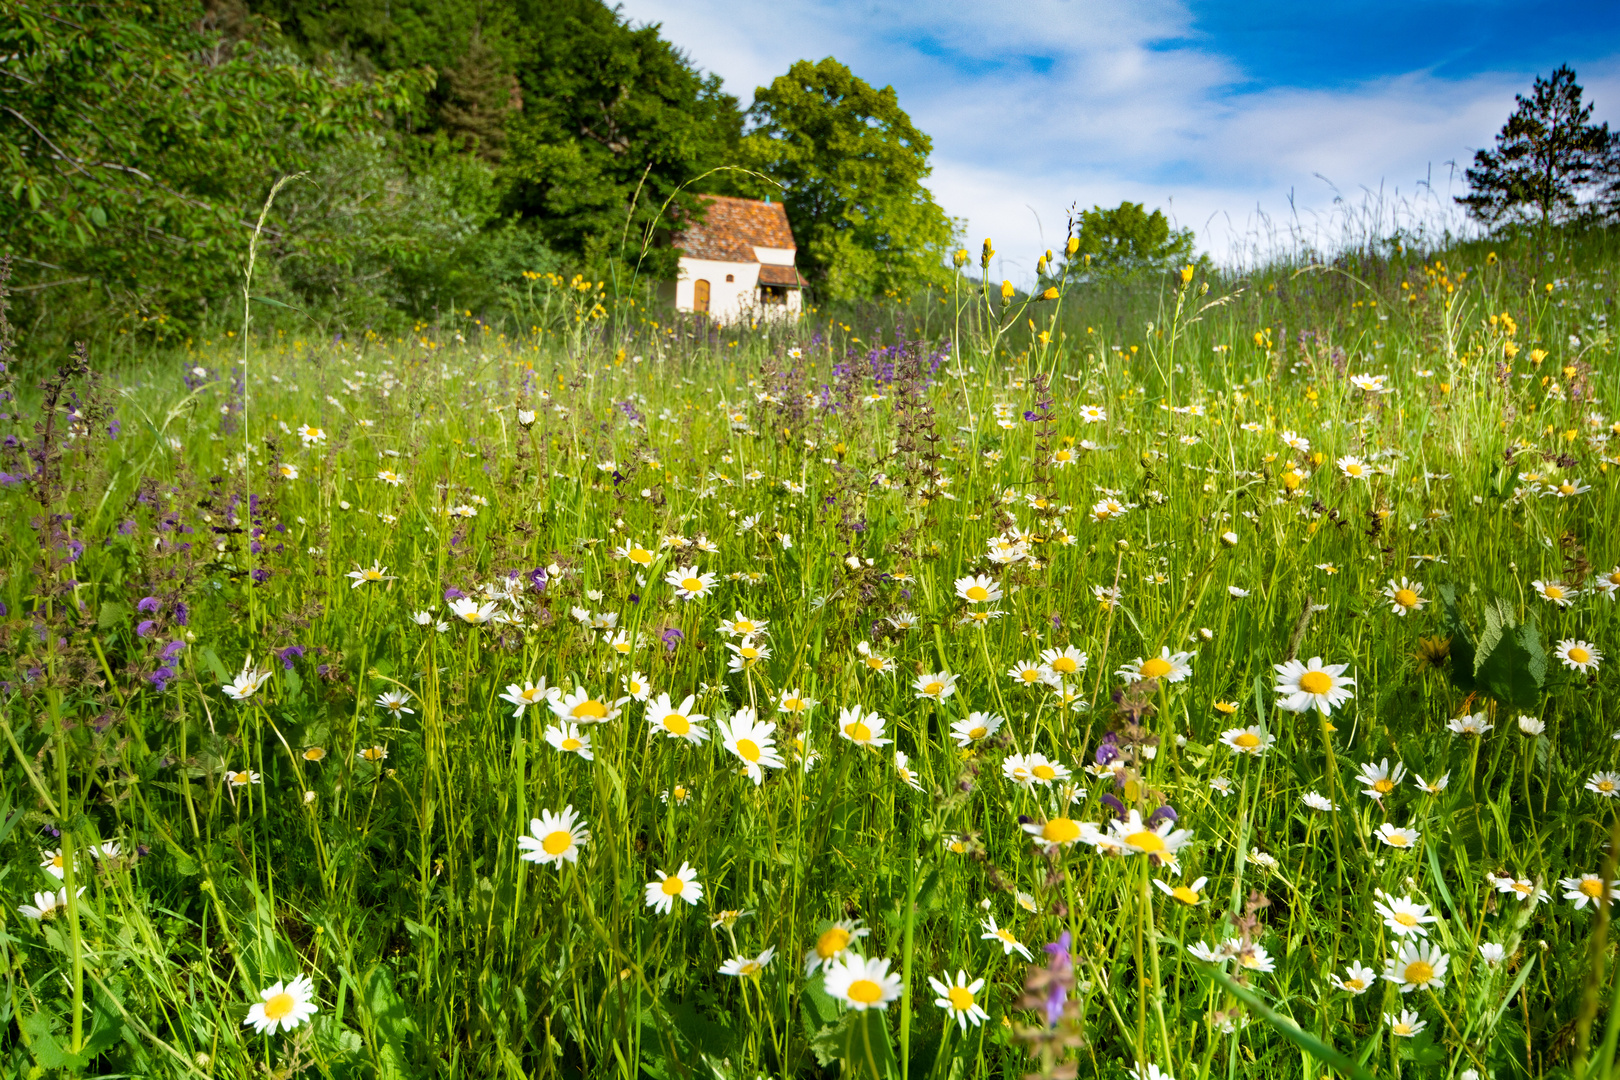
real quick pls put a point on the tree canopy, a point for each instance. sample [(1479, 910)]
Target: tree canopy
[(851, 165), (1127, 239), (447, 145), (136, 139)]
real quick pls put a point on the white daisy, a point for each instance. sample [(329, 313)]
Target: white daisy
[(1312, 686), (667, 887)]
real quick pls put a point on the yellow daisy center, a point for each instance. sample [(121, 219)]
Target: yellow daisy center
[(1043, 772), (1030, 674), (571, 744), (1383, 785), (793, 704), (1060, 830), (1354, 984), (557, 842), (1401, 1027), (978, 732), (977, 593), (865, 991), (589, 709), (641, 555), (1521, 888), (1579, 655), (1316, 682), (1065, 665), (677, 724), (961, 998), (1248, 740), (279, 1006), (1353, 469), (833, 940), (1406, 598), (673, 886), (1419, 971), (933, 688), (1554, 592), (1155, 667), (743, 626), (748, 749), (858, 731), (1146, 841), (1406, 918), (1605, 785), (1592, 887), (1399, 839), (1184, 894), (314, 753), (875, 662), (692, 584), (748, 652)]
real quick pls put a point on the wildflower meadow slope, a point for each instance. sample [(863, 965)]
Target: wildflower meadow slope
[(1028, 691)]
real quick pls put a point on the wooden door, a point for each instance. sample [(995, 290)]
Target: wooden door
[(700, 295)]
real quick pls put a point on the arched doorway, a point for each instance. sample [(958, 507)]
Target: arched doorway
[(700, 295)]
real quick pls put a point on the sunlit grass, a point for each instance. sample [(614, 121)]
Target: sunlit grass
[(484, 752)]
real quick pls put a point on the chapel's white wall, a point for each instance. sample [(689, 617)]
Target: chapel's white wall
[(728, 300)]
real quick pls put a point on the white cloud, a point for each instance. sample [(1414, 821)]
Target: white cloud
[(1036, 106)]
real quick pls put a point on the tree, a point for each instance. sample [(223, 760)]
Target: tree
[(852, 165), (479, 96), (615, 122), (1547, 157), (137, 140), (1128, 239)]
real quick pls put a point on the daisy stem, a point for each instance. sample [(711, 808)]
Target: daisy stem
[(1333, 795), (1153, 959), (1108, 628), (905, 975), (1141, 971)]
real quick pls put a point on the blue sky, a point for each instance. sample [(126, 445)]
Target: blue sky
[(1261, 125)]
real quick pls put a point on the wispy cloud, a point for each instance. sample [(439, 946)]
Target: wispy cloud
[(1037, 106)]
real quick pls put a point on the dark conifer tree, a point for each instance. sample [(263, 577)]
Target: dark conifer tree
[(1547, 156)]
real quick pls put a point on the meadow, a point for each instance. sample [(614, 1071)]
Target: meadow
[(1186, 679)]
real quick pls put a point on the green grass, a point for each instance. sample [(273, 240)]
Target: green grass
[(396, 885)]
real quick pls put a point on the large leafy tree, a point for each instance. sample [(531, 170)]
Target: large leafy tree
[(1547, 156), (137, 139), (851, 165), (617, 128)]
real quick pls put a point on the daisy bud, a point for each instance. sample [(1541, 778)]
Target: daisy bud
[(1229, 538), (1123, 544)]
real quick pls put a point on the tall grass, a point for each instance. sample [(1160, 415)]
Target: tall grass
[(838, 479)]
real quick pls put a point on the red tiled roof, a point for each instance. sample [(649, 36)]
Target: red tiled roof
[(732, 228), (780, 275)]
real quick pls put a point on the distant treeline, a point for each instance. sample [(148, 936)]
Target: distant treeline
[(445, 146)]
